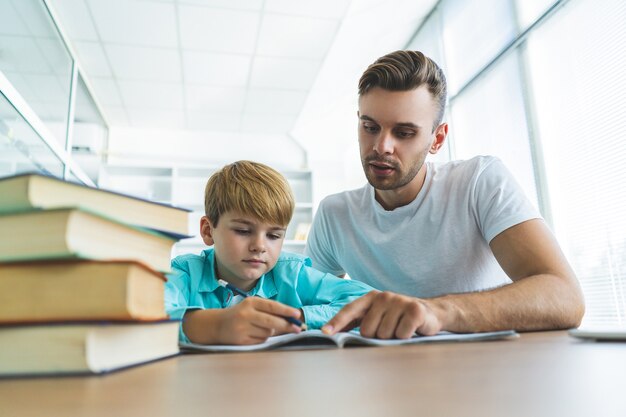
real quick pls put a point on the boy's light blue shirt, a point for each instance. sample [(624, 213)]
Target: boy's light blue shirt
[(193, 285)]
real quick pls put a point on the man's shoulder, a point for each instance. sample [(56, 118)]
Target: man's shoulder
[(341, 200), (474, 164), (467, 170)]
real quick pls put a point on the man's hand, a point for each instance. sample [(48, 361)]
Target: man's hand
[(249, 322), (386, 315)]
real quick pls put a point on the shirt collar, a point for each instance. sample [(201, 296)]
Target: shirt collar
[(264, 288)]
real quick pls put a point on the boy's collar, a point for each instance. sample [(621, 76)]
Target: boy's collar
[(264, 288)]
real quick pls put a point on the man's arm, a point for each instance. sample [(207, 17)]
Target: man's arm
[(545, 294)]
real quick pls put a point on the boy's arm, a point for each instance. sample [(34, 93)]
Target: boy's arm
[(323, 295), (249, 322), (177, 296)]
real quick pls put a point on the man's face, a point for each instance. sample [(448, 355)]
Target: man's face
[(395, 135), (245, 247)]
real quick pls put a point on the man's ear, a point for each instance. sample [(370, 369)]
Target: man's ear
[(441, 132), (206, 231)]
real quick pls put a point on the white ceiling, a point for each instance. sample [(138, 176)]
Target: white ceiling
[(221, 65), (244, 65)]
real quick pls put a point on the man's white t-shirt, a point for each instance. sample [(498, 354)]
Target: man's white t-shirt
[(438, 244)]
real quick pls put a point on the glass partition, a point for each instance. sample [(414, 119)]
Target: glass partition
[(21, 149), (34, 59), (89, 132), (43, 116)]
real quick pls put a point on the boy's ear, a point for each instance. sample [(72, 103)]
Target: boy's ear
[(206, 231)]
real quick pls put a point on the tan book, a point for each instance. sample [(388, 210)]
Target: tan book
[(72, 233), (34, 191), (78, 348), (80, 290)]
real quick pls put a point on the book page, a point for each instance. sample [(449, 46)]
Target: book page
[(311, 339), (315, 339), (355, 339)]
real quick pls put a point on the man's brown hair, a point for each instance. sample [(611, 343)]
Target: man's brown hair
[(404, 71), (249, 188)]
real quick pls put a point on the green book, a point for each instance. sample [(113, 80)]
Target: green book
[(74, 233), (31, 191)]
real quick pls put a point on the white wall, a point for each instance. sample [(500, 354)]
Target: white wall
[(159, 147)]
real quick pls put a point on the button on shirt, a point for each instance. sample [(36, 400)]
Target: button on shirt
[(192, 285)]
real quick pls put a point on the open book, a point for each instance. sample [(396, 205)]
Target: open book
[(315, 339)]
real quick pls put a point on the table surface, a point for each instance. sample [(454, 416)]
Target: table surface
[(537, 374)]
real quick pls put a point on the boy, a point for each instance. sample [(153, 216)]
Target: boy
[(248, 207)]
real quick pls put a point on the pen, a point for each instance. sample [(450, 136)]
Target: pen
[(236, 290)]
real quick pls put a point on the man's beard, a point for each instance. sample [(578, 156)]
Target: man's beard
[(388, 183)]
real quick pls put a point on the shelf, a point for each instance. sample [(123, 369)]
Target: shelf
[(183, 186)]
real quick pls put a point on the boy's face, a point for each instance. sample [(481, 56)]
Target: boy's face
[(245, 247)]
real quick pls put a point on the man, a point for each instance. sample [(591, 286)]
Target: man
[(456, 246)]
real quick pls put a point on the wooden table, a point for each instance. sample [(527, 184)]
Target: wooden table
[(538, 374)]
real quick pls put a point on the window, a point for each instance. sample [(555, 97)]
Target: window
[(541, 84), (576, 65), (473, 32), (489, 119)]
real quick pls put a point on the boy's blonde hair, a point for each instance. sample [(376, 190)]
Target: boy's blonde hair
[(249, 188)]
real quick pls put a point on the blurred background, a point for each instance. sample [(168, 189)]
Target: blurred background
[(149, 97)]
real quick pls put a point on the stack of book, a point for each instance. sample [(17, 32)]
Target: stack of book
[(81, 277)]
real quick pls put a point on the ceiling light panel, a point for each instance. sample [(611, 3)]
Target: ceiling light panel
[(332, 9), (76, 19), (213, 121), (164, 119), (116, 115), (220, 99), (275, 101), (152, 95), (157, 64), (218, 30), (135, 22), (267, 123), (92, 58), (216, 69), (291, 36), (227, 4), (283, 73), (105, 89)]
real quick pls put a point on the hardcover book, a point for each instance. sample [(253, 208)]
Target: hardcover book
[(72, 233), (80, 290), (26, 192), (83, 348)]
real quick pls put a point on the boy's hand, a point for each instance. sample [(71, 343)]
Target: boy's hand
[(253, 321)]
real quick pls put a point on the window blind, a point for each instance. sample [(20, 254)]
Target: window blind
[(576, 63)]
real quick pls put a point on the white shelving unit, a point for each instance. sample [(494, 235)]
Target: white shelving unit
[(183, 186)]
